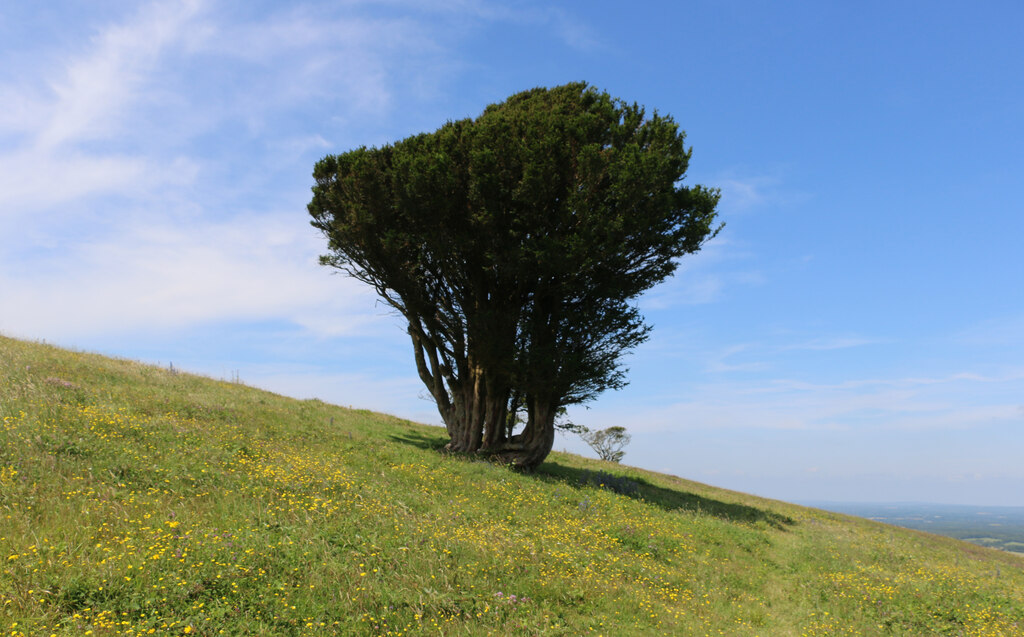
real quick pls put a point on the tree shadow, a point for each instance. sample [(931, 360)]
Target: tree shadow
[(632, 487), (419, 439), (668, 499)]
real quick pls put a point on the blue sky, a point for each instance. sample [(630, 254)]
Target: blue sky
[(856, 333)]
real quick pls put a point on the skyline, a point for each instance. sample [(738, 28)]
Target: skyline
[(855, 333)]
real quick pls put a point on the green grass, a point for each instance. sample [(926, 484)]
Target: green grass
[(138, 501)]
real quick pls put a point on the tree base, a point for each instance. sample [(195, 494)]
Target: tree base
[(513, 453)]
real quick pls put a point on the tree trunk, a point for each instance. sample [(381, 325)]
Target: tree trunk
[(474, 407), (466, 424), (477, 422), (527, 450), (495, 409)]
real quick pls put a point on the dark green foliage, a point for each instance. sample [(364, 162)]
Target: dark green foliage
[(513, 244)]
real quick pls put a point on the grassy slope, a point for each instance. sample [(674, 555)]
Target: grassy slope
[(134, 500)]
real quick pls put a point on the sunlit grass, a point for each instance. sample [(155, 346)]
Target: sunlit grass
[(138, 501)]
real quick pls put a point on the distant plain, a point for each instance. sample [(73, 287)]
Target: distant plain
[(994, 527)]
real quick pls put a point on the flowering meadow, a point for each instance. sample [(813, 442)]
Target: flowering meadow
[(136, 500)]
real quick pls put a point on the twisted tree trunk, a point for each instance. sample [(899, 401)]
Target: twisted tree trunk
[(474, 405), (528, 449)]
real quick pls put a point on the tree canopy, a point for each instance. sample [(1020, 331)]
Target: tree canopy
[(607, 443), (513, 244)]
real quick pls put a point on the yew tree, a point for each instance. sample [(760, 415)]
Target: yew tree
[(515, 244)]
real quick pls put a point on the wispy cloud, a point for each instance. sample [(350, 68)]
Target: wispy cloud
[(129, 201), (767, 352), (1003, 331), (387, 394), (91, 99), (156, 277), (572, 29), (961, 401), (744, 193), (719, 362), (33, 179), (159, 170), (831, 343), (704, 277), (354, 62)]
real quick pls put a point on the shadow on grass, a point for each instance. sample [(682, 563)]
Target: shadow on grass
[(668, 499), (631, 487), (421, 440)]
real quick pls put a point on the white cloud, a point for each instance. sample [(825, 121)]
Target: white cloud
[(959, 379), (833, 343), (34, 179), (570, 29), (299, 55), (22, 113), (757, 355), (155, 276), (573, 31), (97, 89), (92, 98), (130, 202), (108, 218), (744, 193), (390, 395), (719, 363), (703, 277), (959, 401), (1004, 331), (113, 116)]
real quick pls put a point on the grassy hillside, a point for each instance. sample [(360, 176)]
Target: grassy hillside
[(137, 501)]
